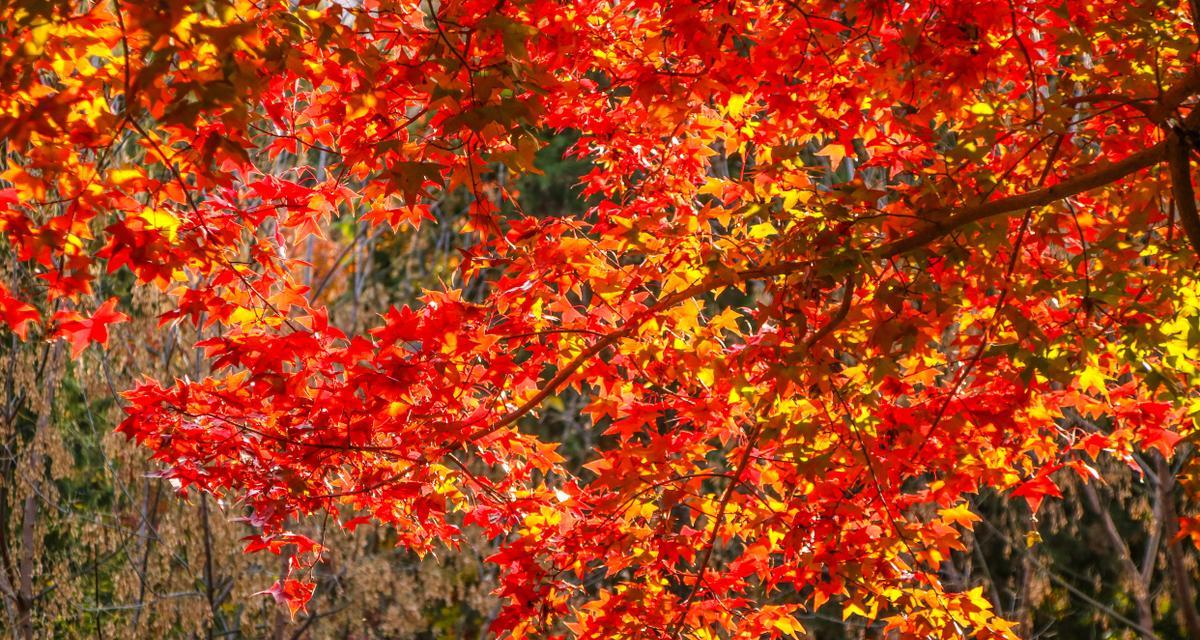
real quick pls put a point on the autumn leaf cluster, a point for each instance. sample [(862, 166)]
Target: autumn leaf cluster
[(843, 266)]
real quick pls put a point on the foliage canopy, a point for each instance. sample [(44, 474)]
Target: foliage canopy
[(841, 266)]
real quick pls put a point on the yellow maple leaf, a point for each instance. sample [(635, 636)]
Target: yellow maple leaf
[(1092, 379), (960, 515)]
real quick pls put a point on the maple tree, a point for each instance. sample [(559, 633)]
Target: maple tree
[(843, 266)]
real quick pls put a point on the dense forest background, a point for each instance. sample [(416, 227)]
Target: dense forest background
[(108, 552)]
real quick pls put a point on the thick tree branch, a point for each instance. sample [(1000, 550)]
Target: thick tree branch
[(838, 317), (1181, 579), (1182, 190), (1099, 174), (1102, 173)]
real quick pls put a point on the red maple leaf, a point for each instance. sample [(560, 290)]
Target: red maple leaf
[(82, 331), (293, 593), (1036, 489), (18, 315)]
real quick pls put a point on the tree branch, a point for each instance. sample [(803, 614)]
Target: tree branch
[(1141, 591), (1102, 173), (1182, 190), (1181, 580)]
